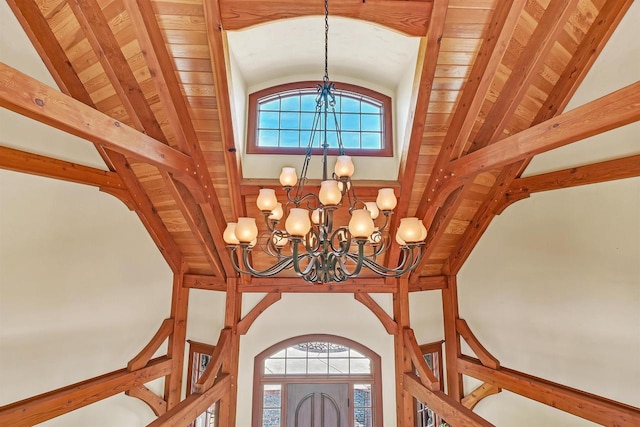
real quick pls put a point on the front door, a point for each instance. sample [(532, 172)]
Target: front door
[(317, 405)]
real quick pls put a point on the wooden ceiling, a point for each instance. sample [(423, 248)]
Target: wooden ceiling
[(149, 86)]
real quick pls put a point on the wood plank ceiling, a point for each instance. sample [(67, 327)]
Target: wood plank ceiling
[(488, 69)]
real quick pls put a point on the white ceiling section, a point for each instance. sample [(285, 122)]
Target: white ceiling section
[(291, 47)]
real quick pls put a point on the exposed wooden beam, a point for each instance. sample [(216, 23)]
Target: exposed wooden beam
[(592, 44), (35, 164), (232, 312), (609, 112), (454, 412), (297, 285), (585, 405), (427, 377), (482, 391), (142, 358), (389, 324), (266, 302), (428, 283), (501, 28), (450, 314), (219, 63), (157, 404), (194, 405), (401, 314), (486, 358), (206, 380), (409, 17), (426, 65), (46, 406), (177, 339), (627, 167), (209, 283), (27, 96)]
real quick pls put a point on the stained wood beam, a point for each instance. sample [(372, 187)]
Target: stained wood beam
[(585, 405), (408, 17), (46, 406), (266, 302), (35, 164), (454, 412), (157, 404), (450, 313), (194, 405), (609, 112), (428, 283), (389, 324), (427, 377), (209, 283), (142, 358), (177, 339), (297, 285), (572, 76), (206, 380), (233, 308), (405, 412), (501, 28), (27, 96), (481, 392), (627, 167), (486, 358), (426, 65)]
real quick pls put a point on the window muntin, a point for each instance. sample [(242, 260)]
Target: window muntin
[(281, 119)]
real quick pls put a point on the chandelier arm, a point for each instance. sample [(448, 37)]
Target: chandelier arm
[(358, 258), (403, 268), (295, 259), (281, 265)]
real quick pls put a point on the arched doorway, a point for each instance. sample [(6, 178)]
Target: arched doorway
[(313, 379)]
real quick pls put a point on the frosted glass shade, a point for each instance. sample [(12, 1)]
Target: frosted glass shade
[(288, 177), (423, 232), (386, 200), (277, 213), (373, 208), (344, 166), (267, 199), (341, 186), (316, 216), (410, 230), (246, 230), (298, 223), (399, 240), (229, 234), (329, 194), (361, 225), (279, 240)]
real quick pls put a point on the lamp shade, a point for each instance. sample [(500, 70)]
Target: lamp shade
[(267, 199), (298, 223), (361, 225), (409, 230), (246, 230), (344, 166), (423, 232), (279, 240), (386, 200), (288, 177), (316, 216), (373, 208), (329, 194), (229, 234), (277, 213)]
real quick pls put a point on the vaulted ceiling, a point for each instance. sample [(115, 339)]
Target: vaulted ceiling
[(148, 82)]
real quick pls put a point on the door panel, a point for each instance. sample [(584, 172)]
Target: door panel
[(317, 405)]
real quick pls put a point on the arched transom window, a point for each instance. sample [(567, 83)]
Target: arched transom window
[(281, 120), (322, 376)]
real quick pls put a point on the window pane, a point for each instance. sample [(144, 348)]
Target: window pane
[(332, 139), (268, 120), (362, 417), (371, 140), (289, 120), (362, 395), (281, 353), (289, 138), (268, 138), (350, 122), (368, 107), (271, 105), (306, 120), (291, 103), (296, 366), (360, 366), (272, 396), (353, 353), (371, 122), (308, 102), (350, 105), (339, 366), (271, 418), (351, 139), (318, 366), (296, 352), (274, 366)]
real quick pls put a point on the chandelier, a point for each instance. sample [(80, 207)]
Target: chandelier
[(310, 244)]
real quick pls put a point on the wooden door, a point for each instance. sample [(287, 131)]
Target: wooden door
[(317, 405)]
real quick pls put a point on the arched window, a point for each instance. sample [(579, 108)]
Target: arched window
[(281, 118), (323, 376)]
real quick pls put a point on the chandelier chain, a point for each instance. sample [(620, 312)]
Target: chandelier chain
[(326, 40)]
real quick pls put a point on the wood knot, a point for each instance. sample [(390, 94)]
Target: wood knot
[(39, 102)]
